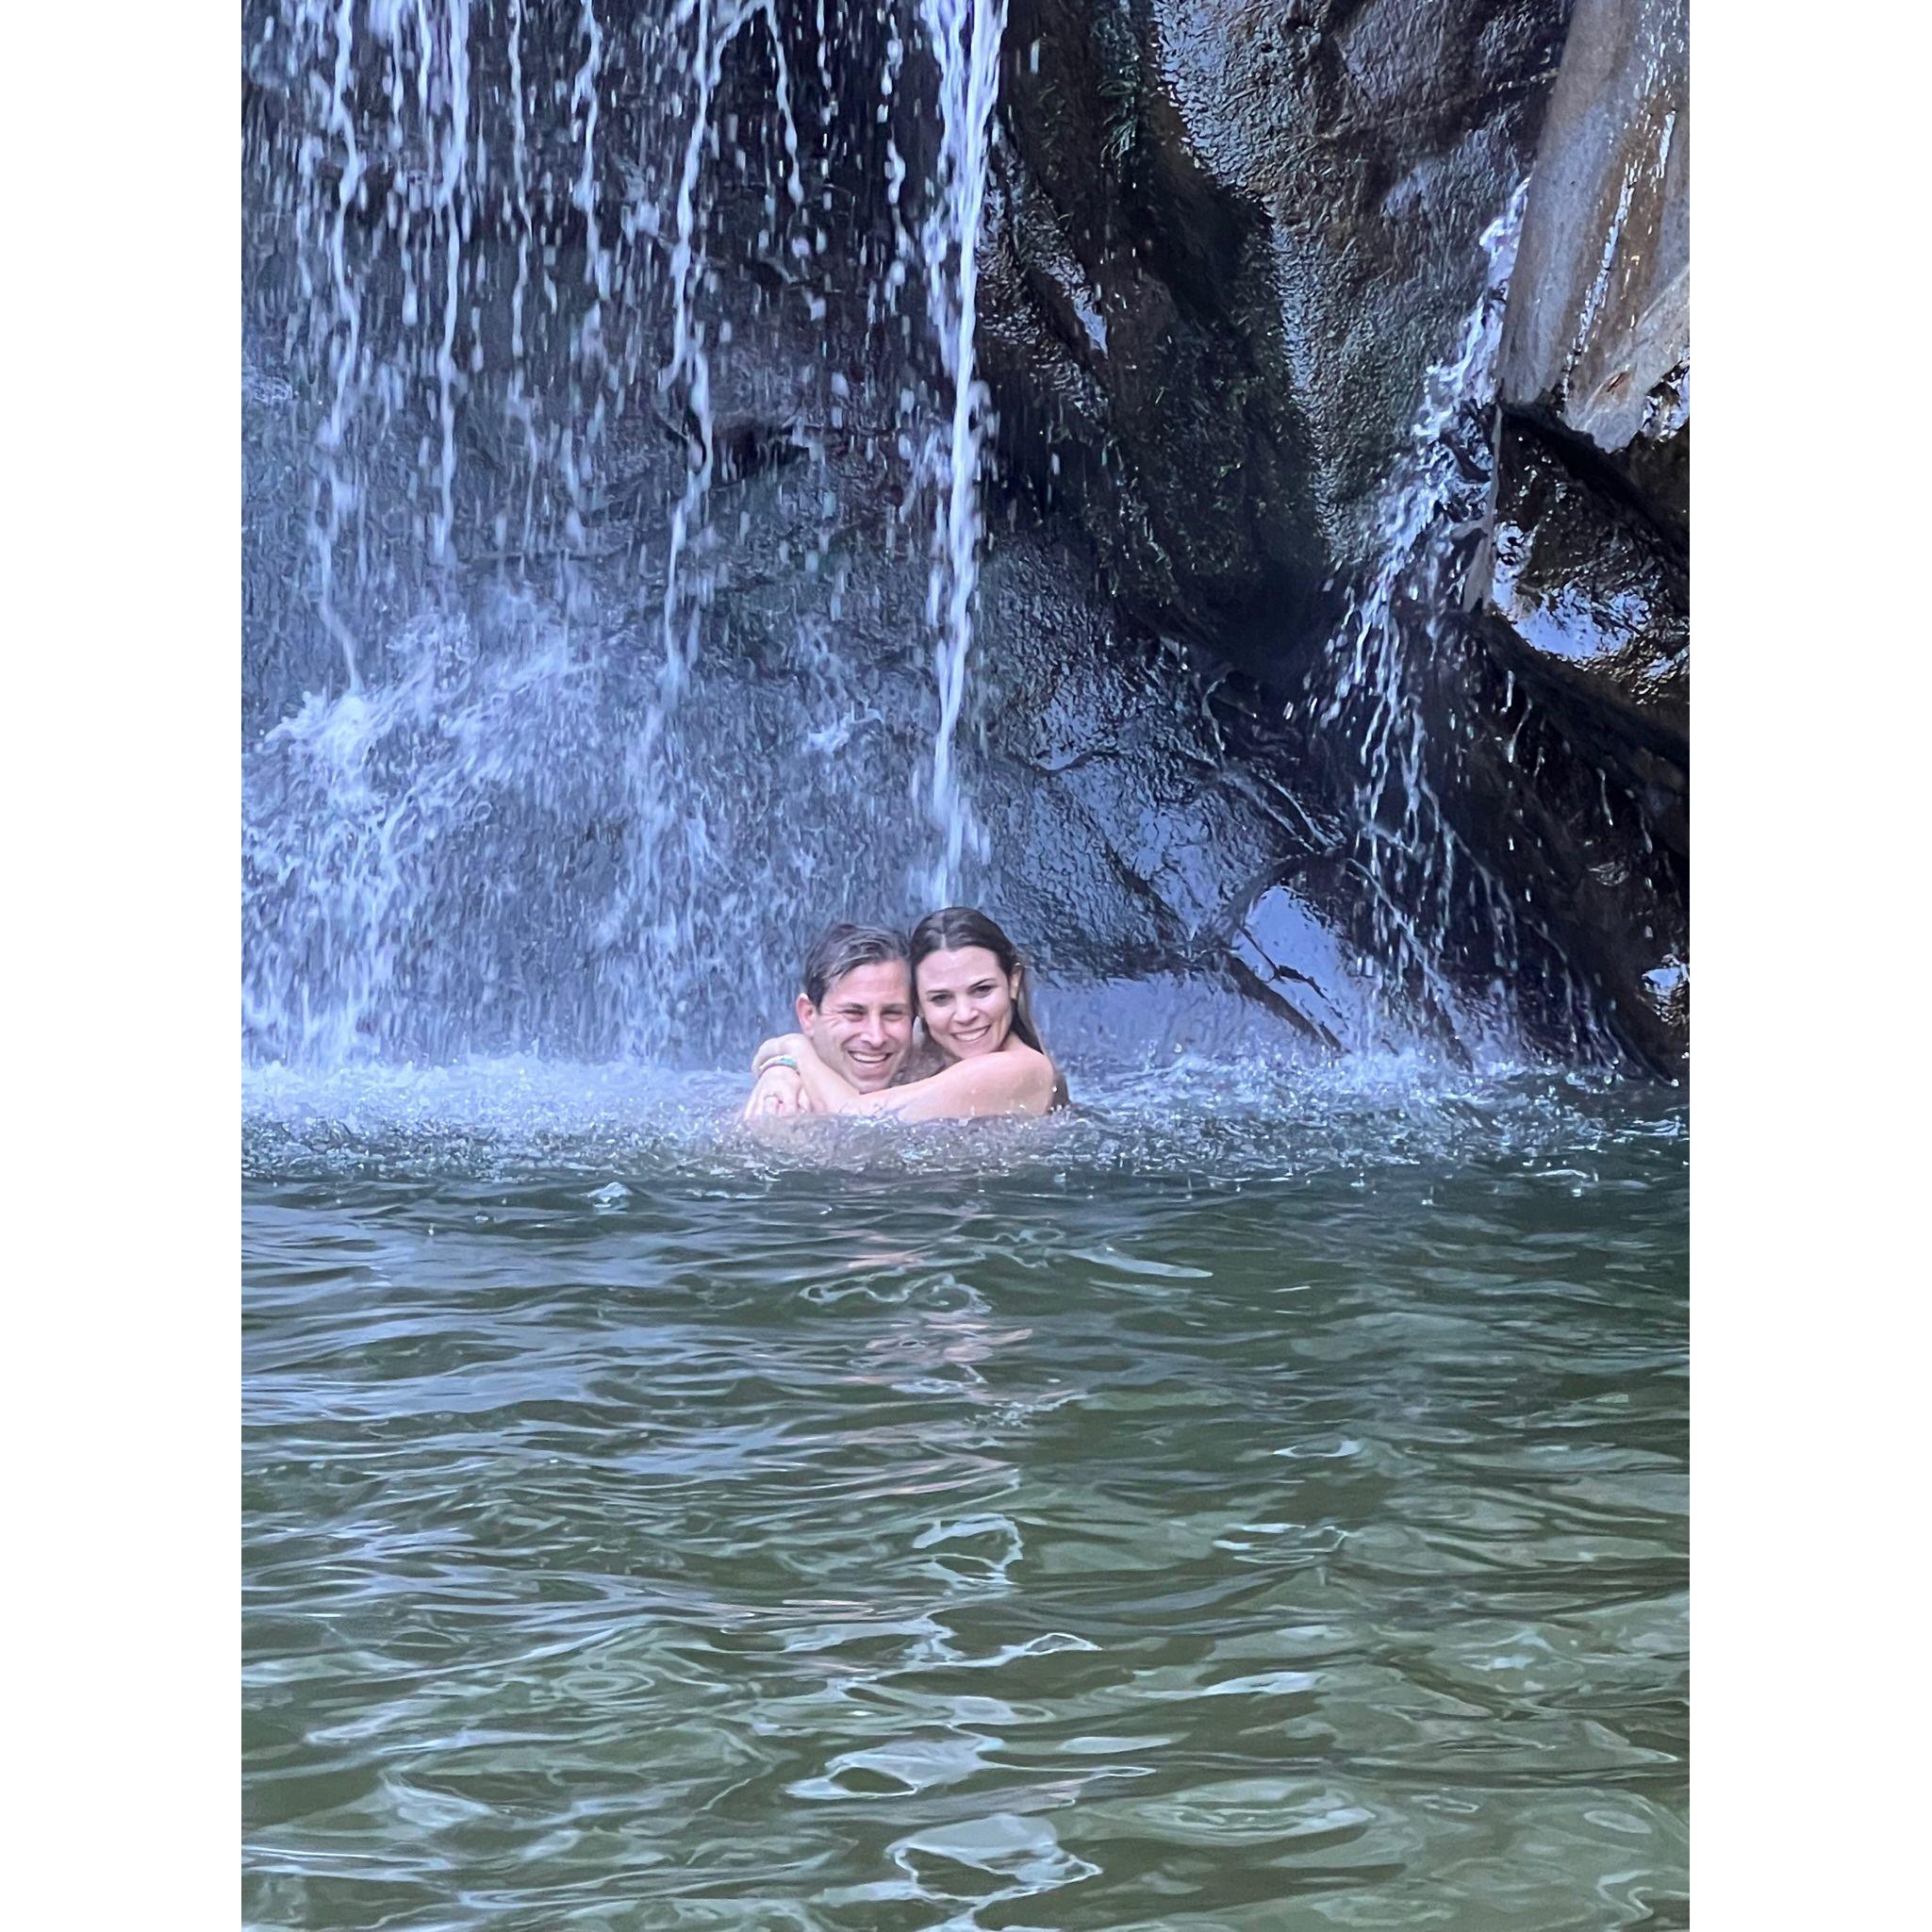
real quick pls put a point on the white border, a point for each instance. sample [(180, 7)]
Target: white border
[(123, 419)]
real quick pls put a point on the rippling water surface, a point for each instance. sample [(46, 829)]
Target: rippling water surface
[(1256, 1502)]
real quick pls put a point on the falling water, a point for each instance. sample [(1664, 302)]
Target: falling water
[(648, 923), (965, 37), (523, 804), (344, 325), (1418, 874), (452, 219), (685, 378)]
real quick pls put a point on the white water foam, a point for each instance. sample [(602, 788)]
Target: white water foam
[(1199, 1120)]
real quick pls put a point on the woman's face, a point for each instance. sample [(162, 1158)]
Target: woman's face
[(967, 1002)]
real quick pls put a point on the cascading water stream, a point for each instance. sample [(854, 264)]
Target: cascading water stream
[(452, 216), (333, 493), (519, 407), (686, 376), (965, 37), (1418, 874), (649, 915)]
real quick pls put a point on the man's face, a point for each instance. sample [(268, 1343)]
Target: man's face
[(865, 1029)]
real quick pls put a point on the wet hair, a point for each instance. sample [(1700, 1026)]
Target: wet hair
[(841, 949), (956, 926)]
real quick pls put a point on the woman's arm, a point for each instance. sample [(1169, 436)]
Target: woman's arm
[(1015, 1081), (779, 1090), (780, 1050), (823, 1090), (827, 1090)]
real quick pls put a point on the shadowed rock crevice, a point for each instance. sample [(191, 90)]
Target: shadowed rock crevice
[(1226, 245)]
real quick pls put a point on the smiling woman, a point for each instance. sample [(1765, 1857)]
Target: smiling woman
[(965, 1002), (973, 987)]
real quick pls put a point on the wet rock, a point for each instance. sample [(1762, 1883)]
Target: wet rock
[(1593, 456), (1580, 796), (1598, 332), (1592, 536), (1132, 825), (1230, 238), (1586, 580)]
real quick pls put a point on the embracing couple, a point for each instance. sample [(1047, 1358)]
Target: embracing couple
[(937, 1026)]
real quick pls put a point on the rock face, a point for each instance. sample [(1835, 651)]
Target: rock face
[(1599, 325), (1594, 377), (1594, 449), (1228, 238), (1592, 490)]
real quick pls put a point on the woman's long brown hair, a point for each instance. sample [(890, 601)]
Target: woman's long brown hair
[(955, 926)]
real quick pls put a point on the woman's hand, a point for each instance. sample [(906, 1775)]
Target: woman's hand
[(781, 1047), (780, 1090)]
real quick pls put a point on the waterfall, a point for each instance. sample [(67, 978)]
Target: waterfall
[(647, 922), (1384, 661), (965, 36), (334, 494), (586, 396), (524, 800)]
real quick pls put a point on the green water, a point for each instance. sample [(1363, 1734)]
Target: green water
[(1174, 1517)]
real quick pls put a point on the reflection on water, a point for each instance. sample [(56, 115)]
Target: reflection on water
[(1159, 1518)]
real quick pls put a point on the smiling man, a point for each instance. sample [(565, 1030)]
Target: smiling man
[(855, 1010)]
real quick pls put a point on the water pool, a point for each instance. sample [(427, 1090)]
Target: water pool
[(1248, 1504)]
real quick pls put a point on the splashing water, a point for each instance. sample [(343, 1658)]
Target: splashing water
[(966, 37), (399, 787)]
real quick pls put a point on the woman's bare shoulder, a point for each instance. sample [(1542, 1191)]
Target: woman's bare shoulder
[(1021, 1071), (1043, 1075)]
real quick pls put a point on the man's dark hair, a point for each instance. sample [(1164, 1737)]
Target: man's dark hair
[(839, 949)]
